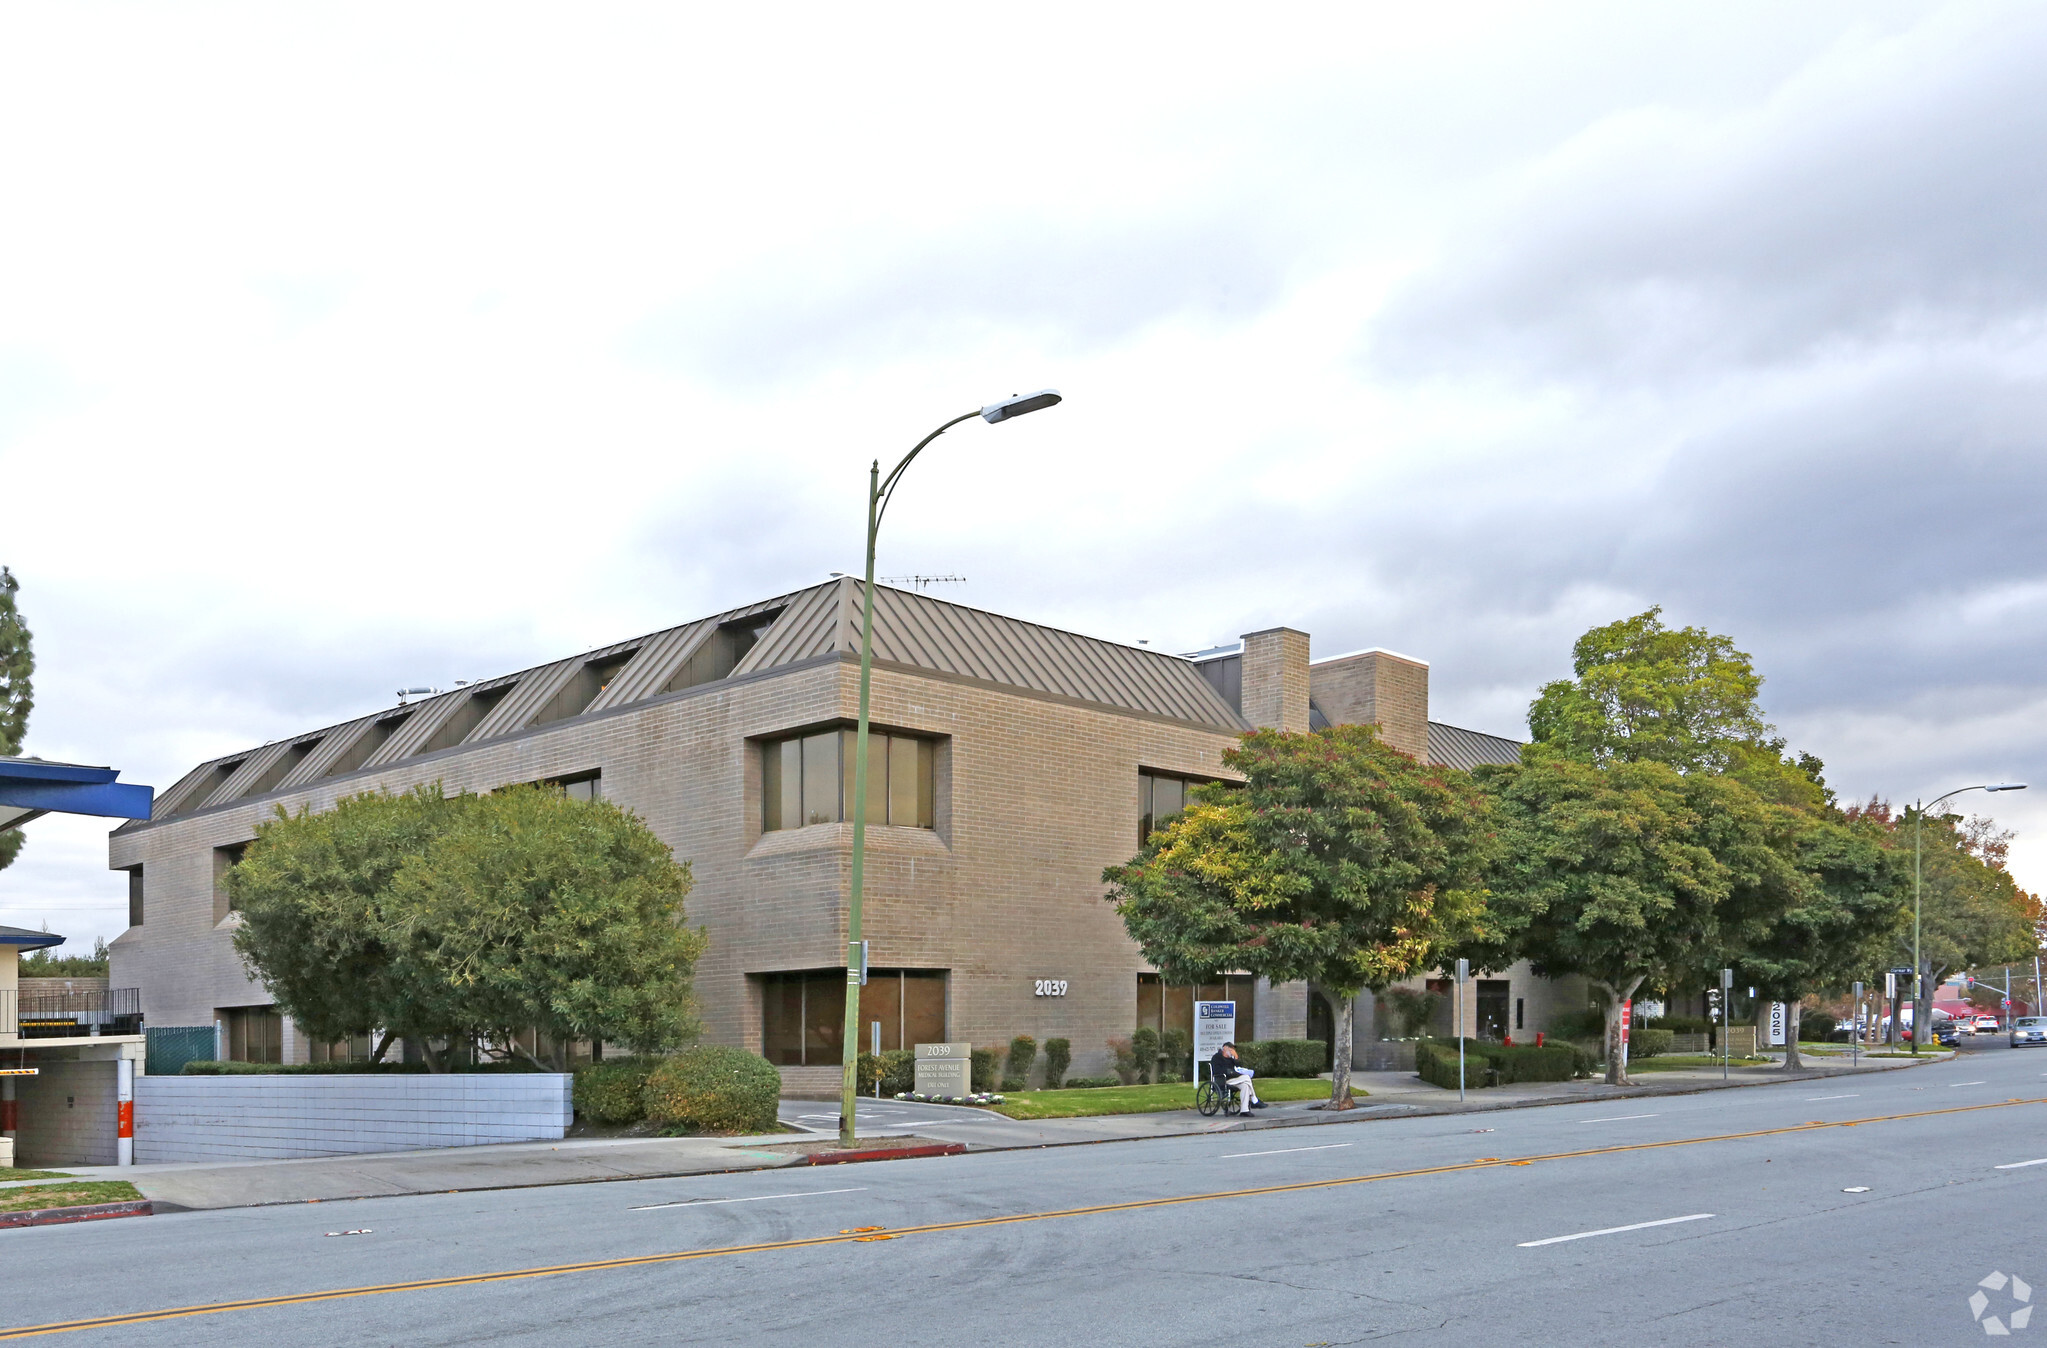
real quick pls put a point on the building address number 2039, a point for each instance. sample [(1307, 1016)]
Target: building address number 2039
[(1048, 987)]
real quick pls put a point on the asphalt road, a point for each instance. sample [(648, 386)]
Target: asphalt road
[(1662, 1220)]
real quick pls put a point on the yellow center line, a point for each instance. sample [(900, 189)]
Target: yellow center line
[(974, 1223)]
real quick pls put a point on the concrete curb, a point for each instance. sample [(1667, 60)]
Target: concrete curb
[(884, 1154), (92, 1212)]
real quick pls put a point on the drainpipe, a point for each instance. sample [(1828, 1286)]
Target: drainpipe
[(124, 1102)]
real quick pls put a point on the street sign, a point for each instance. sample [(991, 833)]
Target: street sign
[(944, 1069), (1215, 1024)]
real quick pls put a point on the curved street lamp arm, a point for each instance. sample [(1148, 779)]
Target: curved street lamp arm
[(887, 489)]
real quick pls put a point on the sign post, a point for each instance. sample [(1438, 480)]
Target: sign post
[(1855, 1028), (1463, 971), (944, 1069), (1726, 1018)]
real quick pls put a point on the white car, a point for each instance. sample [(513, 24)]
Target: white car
[(1987, 1025), (2029, 1030)]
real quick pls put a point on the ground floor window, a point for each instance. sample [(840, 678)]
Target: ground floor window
[(803, 1014), (357, 1049), (254, 1034), (1165, 1006)]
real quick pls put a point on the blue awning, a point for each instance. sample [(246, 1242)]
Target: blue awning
[(31, 787), (21, 938)]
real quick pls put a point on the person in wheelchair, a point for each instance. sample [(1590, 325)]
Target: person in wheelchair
[(1229, 1072)]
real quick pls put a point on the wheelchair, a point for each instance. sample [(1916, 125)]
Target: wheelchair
[(1214, 1097)]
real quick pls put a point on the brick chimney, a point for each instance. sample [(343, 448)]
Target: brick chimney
[(1377, 688), (1276, 679)]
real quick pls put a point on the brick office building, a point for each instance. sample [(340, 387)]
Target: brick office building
[(1012, 762)]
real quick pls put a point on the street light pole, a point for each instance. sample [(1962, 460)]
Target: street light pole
[(1921, 1011), (879, 490)]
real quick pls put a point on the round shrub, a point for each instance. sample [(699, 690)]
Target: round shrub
[(613, 1092), (1649, 1043), (713, 1089)]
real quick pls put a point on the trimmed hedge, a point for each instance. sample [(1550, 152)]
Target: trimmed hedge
[(614, 1092), (987, 1067), (1489, 1064), (1023, 1051), (1058, 1057), (1816, 1027), (1285, 1057), (1089, 1083), (714, 1089), (1682, 1024), (203, 1067), (1649, 1043)]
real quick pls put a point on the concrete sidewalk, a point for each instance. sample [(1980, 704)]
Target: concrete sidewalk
[(194, 1185)]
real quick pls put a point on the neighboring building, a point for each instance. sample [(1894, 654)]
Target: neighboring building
[(1011, 763), (64, 1043)]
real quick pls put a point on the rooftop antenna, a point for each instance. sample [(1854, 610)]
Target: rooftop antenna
[(922, 582), (404, 693)]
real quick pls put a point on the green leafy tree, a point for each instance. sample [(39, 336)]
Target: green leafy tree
[(17, 690), (1851, 892), (1625, 874), (432, 917), (1340, 861), (1972, 913), (1684, 697), (566, 915), (321, 926)]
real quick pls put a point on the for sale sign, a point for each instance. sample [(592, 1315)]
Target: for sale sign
[(1215, 1024)]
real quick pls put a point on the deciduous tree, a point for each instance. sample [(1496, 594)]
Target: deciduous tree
[(17, 690), (1624, 874), (1340, 860)]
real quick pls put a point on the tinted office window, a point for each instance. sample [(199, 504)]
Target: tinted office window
[(1160, 797), (809, 780), (804, 1014), (134, 896)]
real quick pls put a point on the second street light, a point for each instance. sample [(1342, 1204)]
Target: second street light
[(1922, 1016), (879, 490)]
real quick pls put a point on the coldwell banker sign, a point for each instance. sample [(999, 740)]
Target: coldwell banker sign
[(1215, 1024), (944, 1069)]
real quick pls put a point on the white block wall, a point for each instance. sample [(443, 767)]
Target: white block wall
[(250, 1118)]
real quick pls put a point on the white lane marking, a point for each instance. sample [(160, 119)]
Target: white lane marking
[(2021, 1165), (1617, 1118), (1858, 1189), (1331, 1146), (1613, 1230), (1811, 1098), (757, 1198), (1952, 1084)]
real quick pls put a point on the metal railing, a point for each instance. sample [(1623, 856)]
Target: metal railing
[(71, 1015)]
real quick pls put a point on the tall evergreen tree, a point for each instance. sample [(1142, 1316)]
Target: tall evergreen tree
[(17, 668)]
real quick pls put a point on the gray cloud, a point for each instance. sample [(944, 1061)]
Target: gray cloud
[(1892, 194), (875, 299)]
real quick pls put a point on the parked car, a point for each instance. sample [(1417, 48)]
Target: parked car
[(1988, 1024), (1948, 1035), (2029, 1030)]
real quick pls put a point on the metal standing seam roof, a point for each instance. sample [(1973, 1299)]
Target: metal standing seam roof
[(1456, 747), (910, 629)]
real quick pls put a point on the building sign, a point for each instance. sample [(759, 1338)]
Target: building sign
[(1215, 1024), (1048, 987), (944, 1069), (1777, 1023)]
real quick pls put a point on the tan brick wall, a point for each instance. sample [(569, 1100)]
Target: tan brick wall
[(1276, 679), (1036, 795), (1376, 688)]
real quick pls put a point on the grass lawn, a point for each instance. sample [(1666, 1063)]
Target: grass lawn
[(6, 1174), (76, 1194), (1146, 1099)]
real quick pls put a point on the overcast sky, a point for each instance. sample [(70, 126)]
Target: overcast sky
[(345, 348)]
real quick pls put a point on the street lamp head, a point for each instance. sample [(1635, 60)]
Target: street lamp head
[(2007, 786), (1016, 404)]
